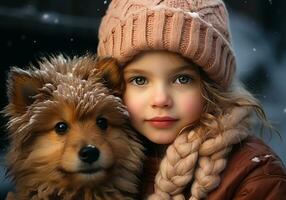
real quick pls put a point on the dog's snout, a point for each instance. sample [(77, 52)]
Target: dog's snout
[(89, 154)]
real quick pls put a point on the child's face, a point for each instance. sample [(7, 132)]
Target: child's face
[(163, 95)]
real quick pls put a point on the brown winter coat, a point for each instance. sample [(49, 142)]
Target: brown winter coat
[(253, 171)]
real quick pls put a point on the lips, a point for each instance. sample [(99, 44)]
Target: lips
[(162, 122)]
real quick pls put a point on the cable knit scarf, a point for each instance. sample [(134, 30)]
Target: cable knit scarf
[(199, 159)]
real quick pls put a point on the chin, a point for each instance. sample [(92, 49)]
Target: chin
[(161, 138)]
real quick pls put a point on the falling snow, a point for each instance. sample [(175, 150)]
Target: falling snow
[(258, 51), (252, 62), (45, 16)]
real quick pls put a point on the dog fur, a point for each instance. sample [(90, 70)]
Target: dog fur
[(54, 111)]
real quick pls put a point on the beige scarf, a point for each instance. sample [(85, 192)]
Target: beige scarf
[(199, 159)]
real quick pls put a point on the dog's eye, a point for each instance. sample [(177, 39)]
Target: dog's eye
[(61, 128), (102, 123)]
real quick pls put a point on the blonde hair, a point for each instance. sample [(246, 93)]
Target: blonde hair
[(219, 101)]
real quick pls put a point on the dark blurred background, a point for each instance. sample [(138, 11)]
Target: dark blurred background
[(30, 29)]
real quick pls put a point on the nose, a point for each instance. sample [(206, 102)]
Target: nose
[(89, 154), (161, 97)]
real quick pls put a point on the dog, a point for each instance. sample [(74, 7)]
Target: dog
[(70, 135)]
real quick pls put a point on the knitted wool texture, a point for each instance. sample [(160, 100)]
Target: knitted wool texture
[(199, 159), (196, 29)]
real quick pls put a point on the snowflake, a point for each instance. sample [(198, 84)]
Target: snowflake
[(45, 16), (255, 159), (194, 14)]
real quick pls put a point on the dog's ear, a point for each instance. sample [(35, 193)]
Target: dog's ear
[(21, 87), (110, 73)]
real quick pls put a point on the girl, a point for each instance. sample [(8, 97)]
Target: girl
[(177, 66)]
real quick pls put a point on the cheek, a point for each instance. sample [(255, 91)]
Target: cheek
[(46, 147), (192, 104), (134, 104)]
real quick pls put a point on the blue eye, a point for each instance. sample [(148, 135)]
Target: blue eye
[(61, 128), (139, 80), (183, 79)]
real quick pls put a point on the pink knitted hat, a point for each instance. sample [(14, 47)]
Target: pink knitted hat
[(196, 29)]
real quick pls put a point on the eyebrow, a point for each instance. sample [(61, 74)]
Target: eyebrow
[(187, 67), (136, 71)]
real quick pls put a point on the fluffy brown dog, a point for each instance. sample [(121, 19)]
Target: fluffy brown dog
[(70, 137)]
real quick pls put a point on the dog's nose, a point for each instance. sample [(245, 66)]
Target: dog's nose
[(89, 154)]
